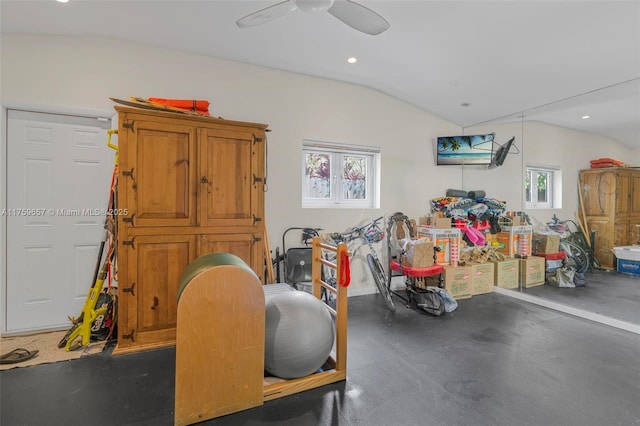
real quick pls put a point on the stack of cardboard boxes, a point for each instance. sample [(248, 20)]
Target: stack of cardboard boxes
[(462, 282), (517, 242), (548, 247)]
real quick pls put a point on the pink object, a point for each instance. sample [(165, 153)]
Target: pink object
[(475, 236)]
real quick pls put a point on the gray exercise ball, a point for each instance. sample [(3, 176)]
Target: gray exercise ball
[(299, 334)]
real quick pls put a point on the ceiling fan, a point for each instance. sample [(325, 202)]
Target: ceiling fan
[(351, 13)]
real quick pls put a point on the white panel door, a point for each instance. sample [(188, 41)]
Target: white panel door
[(58, 169)]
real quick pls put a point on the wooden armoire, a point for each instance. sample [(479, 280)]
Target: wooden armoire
[(612, 205), (187, 186)]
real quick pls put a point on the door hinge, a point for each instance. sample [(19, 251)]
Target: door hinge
[(256, 179), (256, 219), (256, 239), (128, 173), (129, 289), (130, 335), (129, 125), (129, 243), (129, 220), (256, 138)]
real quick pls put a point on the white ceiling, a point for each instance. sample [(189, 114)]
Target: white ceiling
[(501, 57)]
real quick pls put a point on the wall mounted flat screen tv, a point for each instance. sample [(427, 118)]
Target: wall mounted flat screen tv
[(469, 150)]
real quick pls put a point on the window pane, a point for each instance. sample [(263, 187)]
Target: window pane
[(337, 176), (318, 175), (354, 177), (542, 187)]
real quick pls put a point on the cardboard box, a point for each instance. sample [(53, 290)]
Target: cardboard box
[(457, 281), (434, 222), (518, 221), (629, 266), (430, 281), (514, 239), (532, 271), (507, 273), (441, 238), (482, 277), (545, 243), (420, 253), (442, 223), (422, 230)]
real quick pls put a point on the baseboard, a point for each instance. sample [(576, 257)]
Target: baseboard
[(601, 319)]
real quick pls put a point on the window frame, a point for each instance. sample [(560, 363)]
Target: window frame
[(337, 152), (554, 187)]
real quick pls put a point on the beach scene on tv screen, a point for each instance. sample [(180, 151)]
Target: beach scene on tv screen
[(472, 149)]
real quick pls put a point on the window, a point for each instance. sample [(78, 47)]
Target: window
[(543, 187), (336, 175)]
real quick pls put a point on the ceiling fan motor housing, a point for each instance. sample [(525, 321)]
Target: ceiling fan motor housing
[(312, 6)]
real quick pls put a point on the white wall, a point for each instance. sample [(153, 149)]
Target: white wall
[(79, 74), (68, 74)]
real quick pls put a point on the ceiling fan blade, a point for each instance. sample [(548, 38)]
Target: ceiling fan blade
[(267, 14), (359, 17)]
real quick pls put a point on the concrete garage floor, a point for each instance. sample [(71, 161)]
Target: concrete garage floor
[(494, 361), (607, 293)]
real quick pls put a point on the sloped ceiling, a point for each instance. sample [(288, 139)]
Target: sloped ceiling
[(499, 57)]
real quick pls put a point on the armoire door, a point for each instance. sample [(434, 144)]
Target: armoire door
[(599, 192), (148, 286), (634, 191), (623, 193), (245, 246), (230, 180), (157, 173)]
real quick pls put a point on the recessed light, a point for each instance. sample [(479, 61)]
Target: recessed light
[(584, 117), (62, 1), (352, 59)]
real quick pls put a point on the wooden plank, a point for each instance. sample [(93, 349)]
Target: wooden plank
[(220, 344), (341, 307), (582, 218), (290, 387), (181, 117), (267, 253), (582, 227), (123, 350)]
